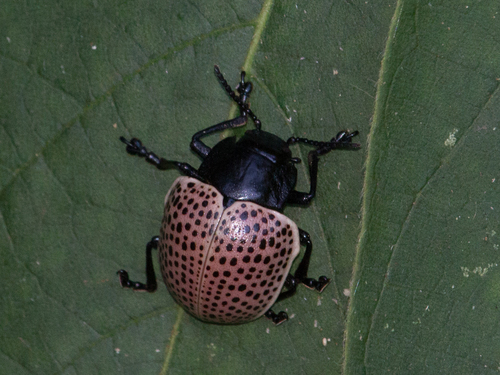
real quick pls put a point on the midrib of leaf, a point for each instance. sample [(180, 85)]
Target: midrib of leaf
[(260, 24), (369, 188), (171, 342)]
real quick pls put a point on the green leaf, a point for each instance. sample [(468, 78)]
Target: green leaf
[(426, 285), (75, 208)]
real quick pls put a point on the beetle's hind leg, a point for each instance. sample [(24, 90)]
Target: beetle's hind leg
[(150, 285), (135, 147), (301, 272), (300, 276), (278, 318), (244, 89)]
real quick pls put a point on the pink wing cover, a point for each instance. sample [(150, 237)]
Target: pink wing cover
[(223, 265)]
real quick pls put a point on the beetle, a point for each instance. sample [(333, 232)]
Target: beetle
[(225, 247)]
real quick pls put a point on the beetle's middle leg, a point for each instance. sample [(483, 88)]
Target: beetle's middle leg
[(150, 285)]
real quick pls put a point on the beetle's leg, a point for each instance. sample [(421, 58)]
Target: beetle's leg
[(301, 272), (300, 276), (343, 140), (201, 148), (135, 147), (150, 285), (291, 286), (278, 318), (244, 89)]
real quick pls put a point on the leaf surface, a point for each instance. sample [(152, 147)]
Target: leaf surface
[(426, 283), (75, 208)]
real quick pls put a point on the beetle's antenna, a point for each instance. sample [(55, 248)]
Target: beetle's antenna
[(244, 89)]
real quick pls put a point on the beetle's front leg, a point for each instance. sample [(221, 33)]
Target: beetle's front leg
[(150, 285), (201, 148), (343, 140), (135, 147)]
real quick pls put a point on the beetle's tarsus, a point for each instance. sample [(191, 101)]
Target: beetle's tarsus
[(318, 285), (151, 284), (343, 139), (134, 147), (136, 286), (278, 318), (344, 136)]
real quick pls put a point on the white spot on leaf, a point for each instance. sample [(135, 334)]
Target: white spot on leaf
[(451, 140)]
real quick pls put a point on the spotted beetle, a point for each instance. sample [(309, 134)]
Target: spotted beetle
[(225, 248)]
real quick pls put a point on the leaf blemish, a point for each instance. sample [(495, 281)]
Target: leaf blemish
[(481, 271), (451, 140)]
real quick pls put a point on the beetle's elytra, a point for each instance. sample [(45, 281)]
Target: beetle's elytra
[(225, 248)]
